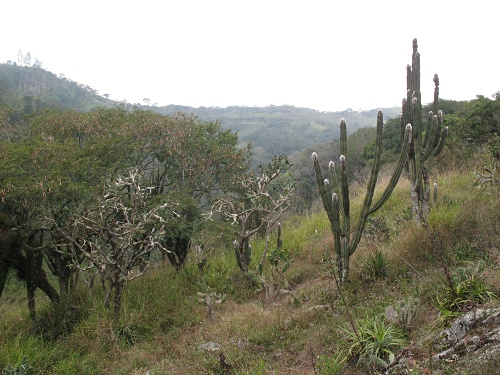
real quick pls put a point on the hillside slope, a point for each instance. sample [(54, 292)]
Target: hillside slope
[(27, 89), (272, 130), (284, 129)]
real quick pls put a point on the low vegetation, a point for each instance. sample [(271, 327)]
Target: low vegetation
[(164, 328)]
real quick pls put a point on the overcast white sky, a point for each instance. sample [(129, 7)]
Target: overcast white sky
[(326, 55)]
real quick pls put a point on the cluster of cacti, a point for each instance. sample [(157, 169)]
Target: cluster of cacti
[(279, 261), (335, 194), (426, 143)]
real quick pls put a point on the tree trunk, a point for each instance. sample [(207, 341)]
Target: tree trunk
[(34, 260), (4, 270), (118, 299), (44, 284)]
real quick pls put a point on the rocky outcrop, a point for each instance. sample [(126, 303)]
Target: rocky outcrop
[(471, 343), (473, 331)]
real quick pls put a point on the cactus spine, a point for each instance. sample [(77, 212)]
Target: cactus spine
[(335, 194), (422, 151)]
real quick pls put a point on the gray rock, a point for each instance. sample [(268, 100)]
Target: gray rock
[(210, 346)]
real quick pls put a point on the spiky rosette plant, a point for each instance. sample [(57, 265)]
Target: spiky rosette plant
[(335, 194), (427, 142)]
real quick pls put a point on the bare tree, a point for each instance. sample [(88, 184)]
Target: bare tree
[(263, 201), (117, 236)]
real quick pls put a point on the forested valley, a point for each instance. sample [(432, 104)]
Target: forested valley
[(146, 239)]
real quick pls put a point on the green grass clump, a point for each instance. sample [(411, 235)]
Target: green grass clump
[(332, 364)]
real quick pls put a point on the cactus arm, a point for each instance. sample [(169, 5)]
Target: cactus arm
[(403, 156), (365, 211), (334, 180), (327, 201), (436, 93), (336, 234), (440, 146), (407, 104), (343, 137), (444, 134), (438, 128), (430, 129), (344, 191), (322, 188), (433, 135), (344, 203)]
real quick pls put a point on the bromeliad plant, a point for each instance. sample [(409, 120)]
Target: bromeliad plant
[(374, 343), (335, 194), (464, 290)]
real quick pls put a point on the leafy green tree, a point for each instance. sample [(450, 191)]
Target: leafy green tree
[(22, 194), (57, 172), (191, 162), (475, 123)]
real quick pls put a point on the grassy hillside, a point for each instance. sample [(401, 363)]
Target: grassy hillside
[(168, 326)]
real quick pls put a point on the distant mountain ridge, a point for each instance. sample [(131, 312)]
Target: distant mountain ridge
[(36, 88), (272, 130), (283, 129)]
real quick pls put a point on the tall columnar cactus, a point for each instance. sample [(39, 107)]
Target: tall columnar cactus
[(335, 194), (279, 240), (426, 142)]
